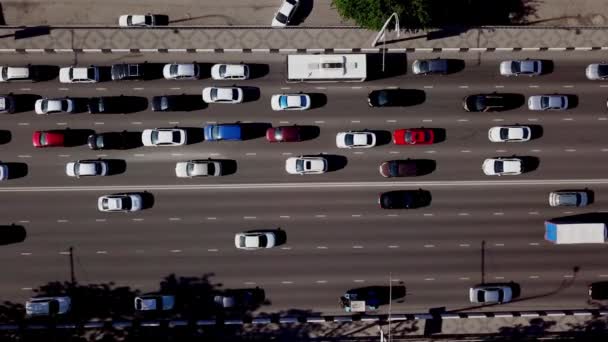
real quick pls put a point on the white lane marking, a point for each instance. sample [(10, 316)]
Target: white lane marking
[(138, 88), (430, 151), (462, 120), (64, 253), (101, 89), (284, 216), (568, 212), (62, 221), (498, 120), (136, 123), (61, 123), (26, 253), (321, 281), (319, 121), (283, 122), (567, 119), (285, 88), (392, 215), (392, 87), (393, 152), (321, 88), (137, 219), (359, 281), (355, 215), (249, 283), (211, 218), (464, 245), (533, 277), (63, 155), (138, 155), (463, 214), (602, 118), (501, 151), (570, 150), (463, 86), (604, 150), (177, 154), (391, 121), (533, 244), (568, 276), (212, 250), (463, 278), (24, 221), (26, 288), (532, 119), (101, 252), (358, 247), (24, 156), (175, 218), (603, 275), (25, 89), (535, 150), (211, 122), (498, 214), (465, 151), (499, 277), (393, 246), (568, 86), (286, 282), (356, 87), (355, 121), (533, 86), (100, 220), (427, 120), (429, 279), (173, 122), (63, 89), (429, 246), (428, 87), (428, 214), (286, 248), (321, 247), (533, 213), (175, 88), (499, 244), (499, 86), (250, 154), (320, 216), (603, 85), (214, 154), (249, 217), (286, 153), (176, 251), (358, 152), (98, 123), (23, 124)]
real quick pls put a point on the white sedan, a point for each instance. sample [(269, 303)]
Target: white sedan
[(223, 95), (502, 166), (190, 71), (163, 137), (224, 72), (548, 102), (79, 74), (306, 165), (120, 203), (50, 106), (83, 168), (597, 71), (198, 168), (509, 134), (490, 294), (355, 139), (254, 240), (290, 102), (136, 20), (285, 13)]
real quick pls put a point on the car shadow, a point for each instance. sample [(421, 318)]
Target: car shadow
[(536, 131), (205, 70), (188, 103), (153, 71), (530, 163), (250, 94), (382, 137), (304, 10), (280, 234), (25, 102), (254, 130), (5, 136), (425, 166), (43, 73), (424, 199), (77, 137), (116, 166), (440, 135), (395, 64), (414, 97), (17, 170), (161, 19), (147, 199), (13, 233), (335, 162), (229, 166), (572, 101), (133, 139), (547, 66), (105, 73), (194, 135), (258, 70), (455, 65), (122, 104), (317, 100), (309, 132), (513, 101)]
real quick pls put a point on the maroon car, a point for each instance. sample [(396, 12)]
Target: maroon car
[(283, 134)]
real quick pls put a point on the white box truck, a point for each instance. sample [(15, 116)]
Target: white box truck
[(573, 233)]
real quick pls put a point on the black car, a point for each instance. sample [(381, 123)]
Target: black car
[(598, 290), (173, 103), (239, 298), (127, 71), (399, 168), (485, 102), (104, 105), (404, 199), (395, 97), (108, 141)]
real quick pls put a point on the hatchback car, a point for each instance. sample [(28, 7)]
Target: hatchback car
[(108, 141), (198, 168), (223, 95), (48, 306), (254, 240), (51, 106), (190, 71), (598, 290), (598, 71), (430, 66), (490, 294), (290, 102), (355, 139), (285, 13), (79, 74), (120, 203), (306, 165), (502, 166), (485, 102), (154, 302), (399, 168), (137, 20), (509, 134), (85, 168), (526, 67), (220, 132), (223, 72), (413, 136), (404, 199), (284, 134), (548, 102), (48, 138), (568, 198), (8, 104), (390, 98), (9, 73), (164, 137)]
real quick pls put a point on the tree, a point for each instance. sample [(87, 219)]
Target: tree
[(372, 14)]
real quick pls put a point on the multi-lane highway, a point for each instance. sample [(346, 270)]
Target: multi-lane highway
[(337, 236)]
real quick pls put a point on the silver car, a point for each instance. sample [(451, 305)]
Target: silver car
[(509, 134), (306, 165), (120, 203), (430, 66), (490, 294), (190, 71), (568, 198), (48, 306), (526, 67), (548, 102), (84, 168), (222, 94), (198, 168), (598, 71)]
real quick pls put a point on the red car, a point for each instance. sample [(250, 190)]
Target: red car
[(48, 138), (413, 136), (283, 134)]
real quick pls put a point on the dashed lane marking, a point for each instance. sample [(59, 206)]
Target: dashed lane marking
[(286, 282), (429, 246), (319, 121), (175, 218), (320, 216), (249, 217), (211, 218), (100, 220), (24, 156), (359, 280), (428, 214), (464, 245), (499, 86), (533, 86), (463, 86), (429, 279), (321, 281), (176, 251), (321, 247), (135, 122), (23, 124), (212, 250), (462, 120), (391, 121), (428, 87), (532, 119), (533, 244), (284, 216), (463, 214), (101, 252), (567, 119), (393, 246), (26, 253), (358, 247), (355, 215)]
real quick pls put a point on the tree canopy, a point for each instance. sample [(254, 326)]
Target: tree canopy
[(372, 14)]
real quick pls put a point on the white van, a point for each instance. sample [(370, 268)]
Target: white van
[(8, 73)]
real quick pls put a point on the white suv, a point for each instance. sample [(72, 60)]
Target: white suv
[(230, 72), (8, 73)]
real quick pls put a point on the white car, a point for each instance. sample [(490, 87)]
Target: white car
[(223, 95), (83, 168), (190, 71), (509, 134), (51, 106), (120, 203), (154, 302), (490, 294), (3, 172), (548, 102), (305, 165), (568, 199), (198, 168), (254, 240), (355, 139), (48, 306), (526, 67), (79, 74), (135, 20), (290, 102), (230, 72), (285, 13), (163, 137), (598, 71), (502, 166), (8, 73)]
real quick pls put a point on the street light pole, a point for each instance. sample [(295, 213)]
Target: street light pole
[(383, 35)]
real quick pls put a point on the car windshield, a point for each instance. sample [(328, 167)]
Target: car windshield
[(501, 295), (213, 93), (409, 137), (544, 101), (99, 141), (368, 139), (263, 241), (498, 166), (349, 139), (175, 136), (235, 94), (602, 70), (481, 296), (215, 132), (190, 168), (148, 20), (516, 67), (45, 105), (43, 140), (64, 105), (424, 66), (303, 100), (210, 168), (283, 101), (278, 133), (504, 133), (382, 98), (154, 137), (173, 69), (4, 73), (300, 165), (281, 18), (222, 70), (242, 240), (91, 73), (393, 169), (126, 203)]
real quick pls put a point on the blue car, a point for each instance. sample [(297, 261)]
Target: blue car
[(223, 132)]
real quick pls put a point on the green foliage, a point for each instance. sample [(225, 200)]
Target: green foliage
[(372, 14)]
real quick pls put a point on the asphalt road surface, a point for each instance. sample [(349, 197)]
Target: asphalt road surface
[(337, 238)]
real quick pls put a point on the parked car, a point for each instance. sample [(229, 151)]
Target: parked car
[(413, 136), (242, 298), (404, 199), (390, 98), (598, 290), (172, 103), (109, 105), (4, 172), (597, 71), (509, 134), (127, 71), (502, 166), (108, 141), (9, 73), (222, 94), (230, 72), (430, 66), (290, 102), (490, 294), (399, 168), (8, 104), (120, 203), (285, 13), (51, 106), (137, 20), (255, 240), (306, 165), (548, 102), (175, 71), (164, 137), (284, 134), (154, 302), (75, 74), (355, 139), (48, 138), (198, 168), (223, 132), (48, 306), (527, 67), (84, 168), (568, 199), (485, 102)]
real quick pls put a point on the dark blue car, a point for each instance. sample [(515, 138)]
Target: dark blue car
[(223, 132)]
